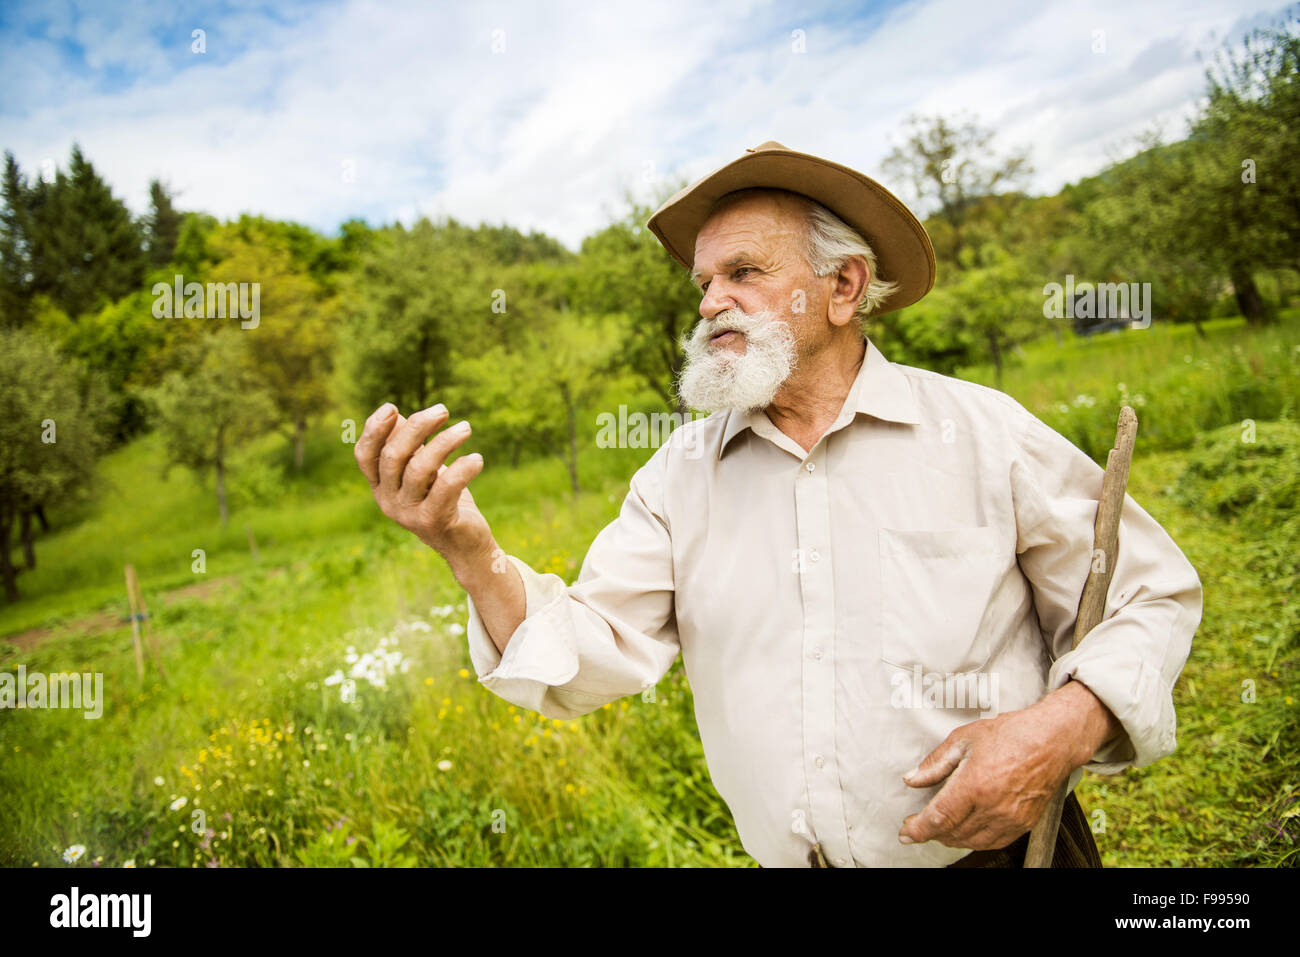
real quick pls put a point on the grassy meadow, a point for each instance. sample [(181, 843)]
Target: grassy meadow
[(242, 751)]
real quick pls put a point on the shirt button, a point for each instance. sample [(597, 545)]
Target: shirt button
[(810, 466), (817, 653), (820, 761), (850, 827), (815, 556)]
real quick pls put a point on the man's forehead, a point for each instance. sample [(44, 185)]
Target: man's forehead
[(760, 225)]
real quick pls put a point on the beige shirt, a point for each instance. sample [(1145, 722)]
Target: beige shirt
[(840, 611)]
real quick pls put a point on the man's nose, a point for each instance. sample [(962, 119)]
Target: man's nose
[(716, 300)]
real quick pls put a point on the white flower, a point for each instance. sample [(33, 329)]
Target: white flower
[(179, 803), (456, 628), (441, 611), (130, 863), (444, 765), (351, 657), (334, 679), (158, 781), (75, 853), (421, 626)]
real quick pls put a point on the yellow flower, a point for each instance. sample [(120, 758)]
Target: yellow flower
[(568, 788), (560, 763), (518, 719), (529, 742), (428, 681), (464, 672), (446, 701), (581, 791)]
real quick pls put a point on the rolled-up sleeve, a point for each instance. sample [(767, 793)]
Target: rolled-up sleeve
[(611, 634), (1132, 658)]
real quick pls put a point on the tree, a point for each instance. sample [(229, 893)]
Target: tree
[(413, 293), (1244, 174), (162, 227), (530, 390), (291, 349), (84, 248), (209, 404), (625, 273), (952, 163), (15, 252), (51, 433)]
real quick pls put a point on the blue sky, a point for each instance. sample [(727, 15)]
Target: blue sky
[(544, 115)]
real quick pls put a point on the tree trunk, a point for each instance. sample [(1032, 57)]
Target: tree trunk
[(6, 565), (27, 536), (221, 479), (299, 443), (1249, 301), (571, 460), (40, 517), (995, 350)]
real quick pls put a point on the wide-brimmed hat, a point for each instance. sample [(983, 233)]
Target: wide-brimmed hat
[(903, 251)]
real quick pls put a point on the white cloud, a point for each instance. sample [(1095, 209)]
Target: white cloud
[(583, 102)]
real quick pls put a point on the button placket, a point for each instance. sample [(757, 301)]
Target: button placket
[(816, 585)]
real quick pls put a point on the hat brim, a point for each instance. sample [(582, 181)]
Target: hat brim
[(903, 250)]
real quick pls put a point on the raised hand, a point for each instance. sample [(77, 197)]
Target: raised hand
[(415, 489)]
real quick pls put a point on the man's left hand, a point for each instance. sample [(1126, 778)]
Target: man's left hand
[(1002, 771)]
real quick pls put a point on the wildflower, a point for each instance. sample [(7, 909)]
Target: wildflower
[(75, 853), (130, 863), (464, 672), (456, 629), (158, 781), (444, 765), (179, 803), (428, 681)]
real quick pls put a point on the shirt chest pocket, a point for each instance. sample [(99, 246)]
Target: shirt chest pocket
[(935, 591)]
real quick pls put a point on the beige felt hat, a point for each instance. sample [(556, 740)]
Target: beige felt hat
[(903, 251)]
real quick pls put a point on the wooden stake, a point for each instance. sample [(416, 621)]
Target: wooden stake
[(1092, 604), (135, 622)]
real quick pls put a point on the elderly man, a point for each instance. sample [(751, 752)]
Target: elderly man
[(871, 571)]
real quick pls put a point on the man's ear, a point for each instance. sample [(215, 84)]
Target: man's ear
[(850, 283)]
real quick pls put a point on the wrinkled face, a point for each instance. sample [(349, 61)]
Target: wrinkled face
[(758, 313)]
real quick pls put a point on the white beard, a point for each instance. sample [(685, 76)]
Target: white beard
[(717, 378)]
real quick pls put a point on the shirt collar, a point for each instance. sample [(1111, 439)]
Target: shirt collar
[(880, 390)]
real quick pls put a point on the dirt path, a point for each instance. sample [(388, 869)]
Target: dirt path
[(103, 621)]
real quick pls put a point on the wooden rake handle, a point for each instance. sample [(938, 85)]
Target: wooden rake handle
[(1092, 604)]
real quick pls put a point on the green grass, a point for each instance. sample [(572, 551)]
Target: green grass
[(286, 773)]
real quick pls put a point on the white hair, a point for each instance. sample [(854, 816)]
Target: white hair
[(828, 243)]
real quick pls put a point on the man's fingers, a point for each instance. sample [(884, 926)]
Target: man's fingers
[(943, 815), (373, 435), (938, 764), (405, 439), (452, 480), (427, 463)]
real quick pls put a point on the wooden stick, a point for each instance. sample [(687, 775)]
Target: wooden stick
[(1092, 604), (150, 645), (135, 622)]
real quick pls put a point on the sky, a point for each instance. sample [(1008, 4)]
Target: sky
[(548, 116)]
